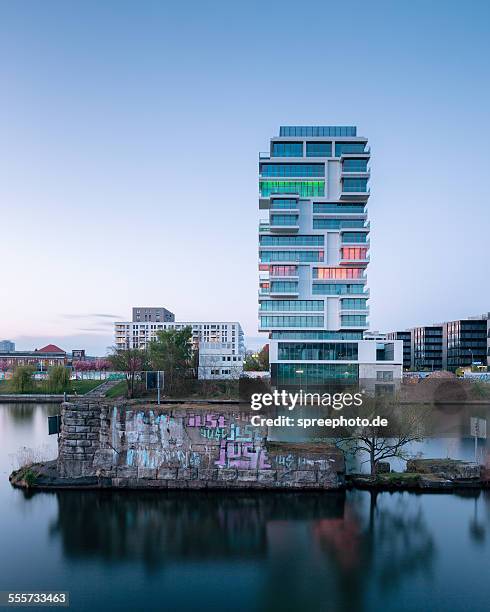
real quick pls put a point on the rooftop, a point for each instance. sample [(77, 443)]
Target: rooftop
[(318, 130)]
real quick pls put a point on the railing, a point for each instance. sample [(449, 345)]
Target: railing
[(264, 155)]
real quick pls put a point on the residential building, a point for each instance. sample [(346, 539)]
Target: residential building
[(220, 343), (152, 314), (41, 359), (426, 347), (313, 255), (406, 337), (7, 346)]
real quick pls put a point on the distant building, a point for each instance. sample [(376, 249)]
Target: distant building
[(427, 347), (78, 355), (374, 335), (7, 346), (220, 343), (406, 337), (142, 314), (465, 342), (41, 359)]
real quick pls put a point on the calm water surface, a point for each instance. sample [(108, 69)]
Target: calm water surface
[(273, 551)]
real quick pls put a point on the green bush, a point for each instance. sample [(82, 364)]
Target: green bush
[(22, 381)]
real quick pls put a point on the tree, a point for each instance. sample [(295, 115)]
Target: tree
[(58, 379), (172, 353), (257, 362), (131, 362), (21, 381), (4, 365), (406, 424)]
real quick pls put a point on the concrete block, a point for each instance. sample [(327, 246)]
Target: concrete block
[(167, 473), (227, 474)]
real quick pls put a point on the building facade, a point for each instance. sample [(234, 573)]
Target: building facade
[(41, 359), (406, 337), (313, 255), (426, 347), (465, 342), (220, 343), (152, 314), (7, 346)]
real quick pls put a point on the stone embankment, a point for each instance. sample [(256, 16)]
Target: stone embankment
[(130, 445)]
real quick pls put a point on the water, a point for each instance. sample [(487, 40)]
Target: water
[(238, 551)]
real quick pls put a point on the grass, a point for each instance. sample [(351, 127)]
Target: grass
[(79, 386), (118, 390)]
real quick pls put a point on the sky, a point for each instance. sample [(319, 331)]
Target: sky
[(130, 139)]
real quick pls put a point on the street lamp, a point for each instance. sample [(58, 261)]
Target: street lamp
[(300, 372)]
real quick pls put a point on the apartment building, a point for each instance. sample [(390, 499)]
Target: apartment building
[(313, 256), (406, 337), (220, 343), (152, 314)]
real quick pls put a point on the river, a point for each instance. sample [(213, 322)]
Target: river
[(238, 551)]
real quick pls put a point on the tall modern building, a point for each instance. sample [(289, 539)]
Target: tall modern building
[(313, 255), (406, 337), (7, 346)]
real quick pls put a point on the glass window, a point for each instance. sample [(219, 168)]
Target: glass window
[(318, 149), (329, 207), (305, 189), (337, 223), (316, 335), (317, 130), (309, 374), (353, 253), (285, 220), (313, 240), (291, 321), (336, 289), (353, 320), (284, 203), (326, 351), (287, 149), (283, 270), (306, 256), (354, 237), (337, 273), (284, 287), (354, 185), (354, 165), (349, 147), (353, 304), (292, 305), (292, 169)]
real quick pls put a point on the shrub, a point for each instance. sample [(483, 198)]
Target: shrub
[(22, 381)]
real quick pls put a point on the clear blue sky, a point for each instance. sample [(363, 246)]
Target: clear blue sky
[(128, 157)]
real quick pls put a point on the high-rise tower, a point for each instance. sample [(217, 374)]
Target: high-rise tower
[(313, 255)]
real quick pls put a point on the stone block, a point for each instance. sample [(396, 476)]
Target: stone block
[(125, 471), (208, 473), (304, 476), (84, 443), (247, 475), (187, 474), (227, 474), (265, 476), (167, 473), (145, 472)]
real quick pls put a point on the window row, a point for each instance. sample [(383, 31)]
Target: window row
[(337, 223), (353, 320), (337, 289), (325, 351), (352, 253), (354, 237), (354, 185), (354, 165), (305, 256), (308, 374), (349, 147), (317, 130), (353, 304), (337, 273), (328, 207), (283, 270), (284, 287), (290, 305), (316, 335), (291, 321), (318, 149), (292, 169), (285, 220), (312, 240), (306, 189), (284, 203), (287, 149)]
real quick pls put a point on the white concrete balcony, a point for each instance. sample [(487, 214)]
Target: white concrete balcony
[(355, 195), (284, 293)]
